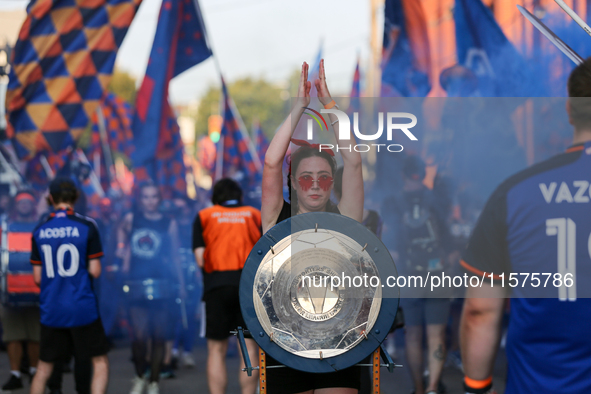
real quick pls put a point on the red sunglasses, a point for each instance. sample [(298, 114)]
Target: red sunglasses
[(307, 182)]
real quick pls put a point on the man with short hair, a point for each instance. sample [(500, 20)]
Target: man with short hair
[(537, 224), (66, 255), (21, 324), (223, 236)]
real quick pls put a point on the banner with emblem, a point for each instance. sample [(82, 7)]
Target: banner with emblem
[(483, 48)]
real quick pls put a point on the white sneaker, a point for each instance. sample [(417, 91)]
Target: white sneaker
[(188, 360), (391, 347), (139, 385), (153, 388)]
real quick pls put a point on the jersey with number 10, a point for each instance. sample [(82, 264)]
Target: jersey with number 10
[(536, 230), (63, 245)]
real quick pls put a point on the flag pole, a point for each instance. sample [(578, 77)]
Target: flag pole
[(104, 142), (45, 164), (219, 160), (7, 162), (241, 126), (92, 176), (237, 117), (374, 72), (205, 29), (220, 150)]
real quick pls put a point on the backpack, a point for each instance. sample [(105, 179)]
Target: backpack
[(422, 235)]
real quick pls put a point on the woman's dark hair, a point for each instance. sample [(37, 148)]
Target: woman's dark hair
[(296, 158), (63, 190), (225, 190), (338, 183)]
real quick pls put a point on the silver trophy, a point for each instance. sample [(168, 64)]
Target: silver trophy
[(314, 297)]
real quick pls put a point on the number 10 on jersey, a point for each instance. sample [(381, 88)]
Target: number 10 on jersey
[(60, 255)]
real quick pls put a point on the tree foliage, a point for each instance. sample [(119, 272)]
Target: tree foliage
[(123, 84), (255, 99)]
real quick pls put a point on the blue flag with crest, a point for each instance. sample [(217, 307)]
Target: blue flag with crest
[(483, 48)]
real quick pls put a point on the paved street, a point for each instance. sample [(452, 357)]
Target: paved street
[(194, 380)]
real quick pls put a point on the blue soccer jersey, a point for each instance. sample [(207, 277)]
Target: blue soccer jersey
[(537, 225), (62, 245)]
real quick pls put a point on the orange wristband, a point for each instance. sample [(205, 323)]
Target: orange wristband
[(477, 384), (121, 245), (330, 105)]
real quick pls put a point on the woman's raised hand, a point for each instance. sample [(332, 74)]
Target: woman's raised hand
[(320, 82), (304, 87)]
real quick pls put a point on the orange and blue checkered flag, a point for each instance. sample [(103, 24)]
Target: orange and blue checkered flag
[(118, 116), (236, 155), (62, 64)]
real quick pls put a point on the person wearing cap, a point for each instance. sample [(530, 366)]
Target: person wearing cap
[(66, 252), (21, 324), (24, 212), (418, 237)]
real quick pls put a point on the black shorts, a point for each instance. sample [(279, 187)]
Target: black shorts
[(154, 319), (419, 311), (222, 312), (83, 342), (291, 381)]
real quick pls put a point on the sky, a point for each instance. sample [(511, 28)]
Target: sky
[(257, 38)]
